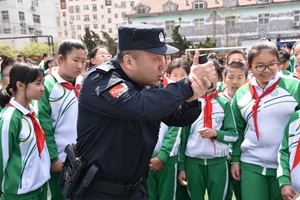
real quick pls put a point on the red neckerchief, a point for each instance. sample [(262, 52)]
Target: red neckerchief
[(39, 133), (257, 100), (69, 86), (297, 156), (208, 111)]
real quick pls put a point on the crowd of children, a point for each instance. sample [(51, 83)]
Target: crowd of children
[(246, 139)]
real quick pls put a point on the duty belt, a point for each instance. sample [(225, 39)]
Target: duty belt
[(110, 188)]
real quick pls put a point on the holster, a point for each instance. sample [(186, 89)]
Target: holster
[(72, 171), (88, 180)]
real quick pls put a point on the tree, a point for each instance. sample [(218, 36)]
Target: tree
[(5, 49), (35, 50), (180, 42), (91, 39), (109, 43)]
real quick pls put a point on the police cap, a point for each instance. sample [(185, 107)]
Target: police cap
[(145, 37)]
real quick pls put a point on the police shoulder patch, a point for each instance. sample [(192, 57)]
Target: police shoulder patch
[(118, 90)]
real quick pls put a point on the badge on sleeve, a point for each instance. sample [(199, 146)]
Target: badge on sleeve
[(118, 90)]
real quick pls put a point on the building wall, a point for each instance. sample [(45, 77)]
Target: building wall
[(48, 11), (247, 26), (109, 17)]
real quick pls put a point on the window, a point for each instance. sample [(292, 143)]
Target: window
[(64, 14), (73, 28), (123, 4), (228, 3), (36, 19), (77, 17), (230, 21), (95, 26), (109, 20), (73, 36), (58, 21), (198, 4), (86, 7), (71, 18), (86, 18), (23, 31), (263, 18), (102, 6), (117, 26), (116, 5), (141, 9), (79, 37), (6, 31), (264, 1), (35, 3), (110, 30), (108, 10), (5, 16), (65, 23), (95, 17), (78, 27), (71, 9), (116, 15), (108, 2), (20, 1), (77, 8), (123, 14), (169, 6), (87, 26), (170, 25), (21, 16), (297, 16), (199, 23), (94, 7), (102, 16), (131, 3), (102, 26)]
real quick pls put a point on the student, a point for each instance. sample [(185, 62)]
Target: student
[(162, 176), (98, 55), (49, 65), (58, 109), (204, 147), (6, 65), (262, 109), (296, 57), (289, 159), (43, 61), (284, 63), (24, 156), (235, 75)]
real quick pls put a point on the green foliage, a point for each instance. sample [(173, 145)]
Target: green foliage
[(5, 49), (109, 43), (180, 41), (207, 43), (91, 39), (35, 50)]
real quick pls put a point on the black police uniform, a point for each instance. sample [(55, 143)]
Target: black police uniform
[(118, 124)]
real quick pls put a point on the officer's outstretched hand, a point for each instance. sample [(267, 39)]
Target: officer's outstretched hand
[(201, 77)]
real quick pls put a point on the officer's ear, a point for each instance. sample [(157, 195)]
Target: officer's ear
[(128, 62)]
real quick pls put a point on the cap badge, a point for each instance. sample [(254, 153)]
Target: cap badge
[(161, 37)]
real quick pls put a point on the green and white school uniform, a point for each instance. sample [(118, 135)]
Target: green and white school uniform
[(57, 112), (288, 172), (162, 183), (203, 159), (257, 151), (23, 172)]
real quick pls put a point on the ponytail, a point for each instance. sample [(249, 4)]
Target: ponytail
[(5, 95)]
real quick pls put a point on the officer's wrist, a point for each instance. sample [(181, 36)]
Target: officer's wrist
[(191, 103)]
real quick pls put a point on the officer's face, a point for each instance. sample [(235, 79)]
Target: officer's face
[(148, 68)]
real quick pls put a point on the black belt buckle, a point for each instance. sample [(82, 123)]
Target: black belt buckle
[(132, 187)]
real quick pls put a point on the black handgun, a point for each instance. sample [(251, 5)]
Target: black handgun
[(72, 170)]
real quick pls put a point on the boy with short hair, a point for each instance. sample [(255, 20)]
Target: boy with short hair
[(235, 75)]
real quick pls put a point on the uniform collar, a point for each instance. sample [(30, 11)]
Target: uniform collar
[(21, 108), (61, 80)]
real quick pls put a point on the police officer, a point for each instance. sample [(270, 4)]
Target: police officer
[(118, 120)]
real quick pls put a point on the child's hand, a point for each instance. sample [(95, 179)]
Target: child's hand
[(296, 197), (287, 192), (56, 167), (156, 164), (208, 132), (182, 178), (235, 171)]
